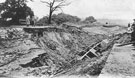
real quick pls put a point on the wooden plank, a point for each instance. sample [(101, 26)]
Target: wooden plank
[(92, 50)]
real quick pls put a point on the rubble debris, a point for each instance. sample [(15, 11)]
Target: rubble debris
[(73, 44), (61, 48), (37, 62)]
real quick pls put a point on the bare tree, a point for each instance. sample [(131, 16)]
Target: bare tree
[(55, 5)]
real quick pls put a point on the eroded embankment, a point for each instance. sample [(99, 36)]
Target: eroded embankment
[(54, 53)]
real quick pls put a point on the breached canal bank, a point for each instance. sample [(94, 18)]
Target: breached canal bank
[(59, 48)]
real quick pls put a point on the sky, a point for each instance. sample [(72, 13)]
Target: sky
[(100, 9)]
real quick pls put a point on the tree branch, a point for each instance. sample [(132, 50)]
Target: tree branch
[(63, 3), (53, 2), (45, 2), (61, 9), (60, 5)]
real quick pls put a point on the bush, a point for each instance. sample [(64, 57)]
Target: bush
[(89, 19), (62, 18)]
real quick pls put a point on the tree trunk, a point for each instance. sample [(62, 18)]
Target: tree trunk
[(50, 16)]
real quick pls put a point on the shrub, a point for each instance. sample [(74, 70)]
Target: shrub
[(89, 19)]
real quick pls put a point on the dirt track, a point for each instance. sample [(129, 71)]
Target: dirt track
[(120, 64)]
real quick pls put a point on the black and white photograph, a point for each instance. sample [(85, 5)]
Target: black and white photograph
[(67, 38)]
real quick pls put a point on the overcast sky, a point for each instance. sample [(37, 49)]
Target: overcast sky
[(111, 9)]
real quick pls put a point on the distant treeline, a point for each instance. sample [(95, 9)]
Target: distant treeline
[(63, 18)]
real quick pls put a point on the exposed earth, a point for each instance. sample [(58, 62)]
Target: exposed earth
[(26, 56)]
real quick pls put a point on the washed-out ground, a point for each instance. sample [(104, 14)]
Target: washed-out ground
[(120, 63)]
